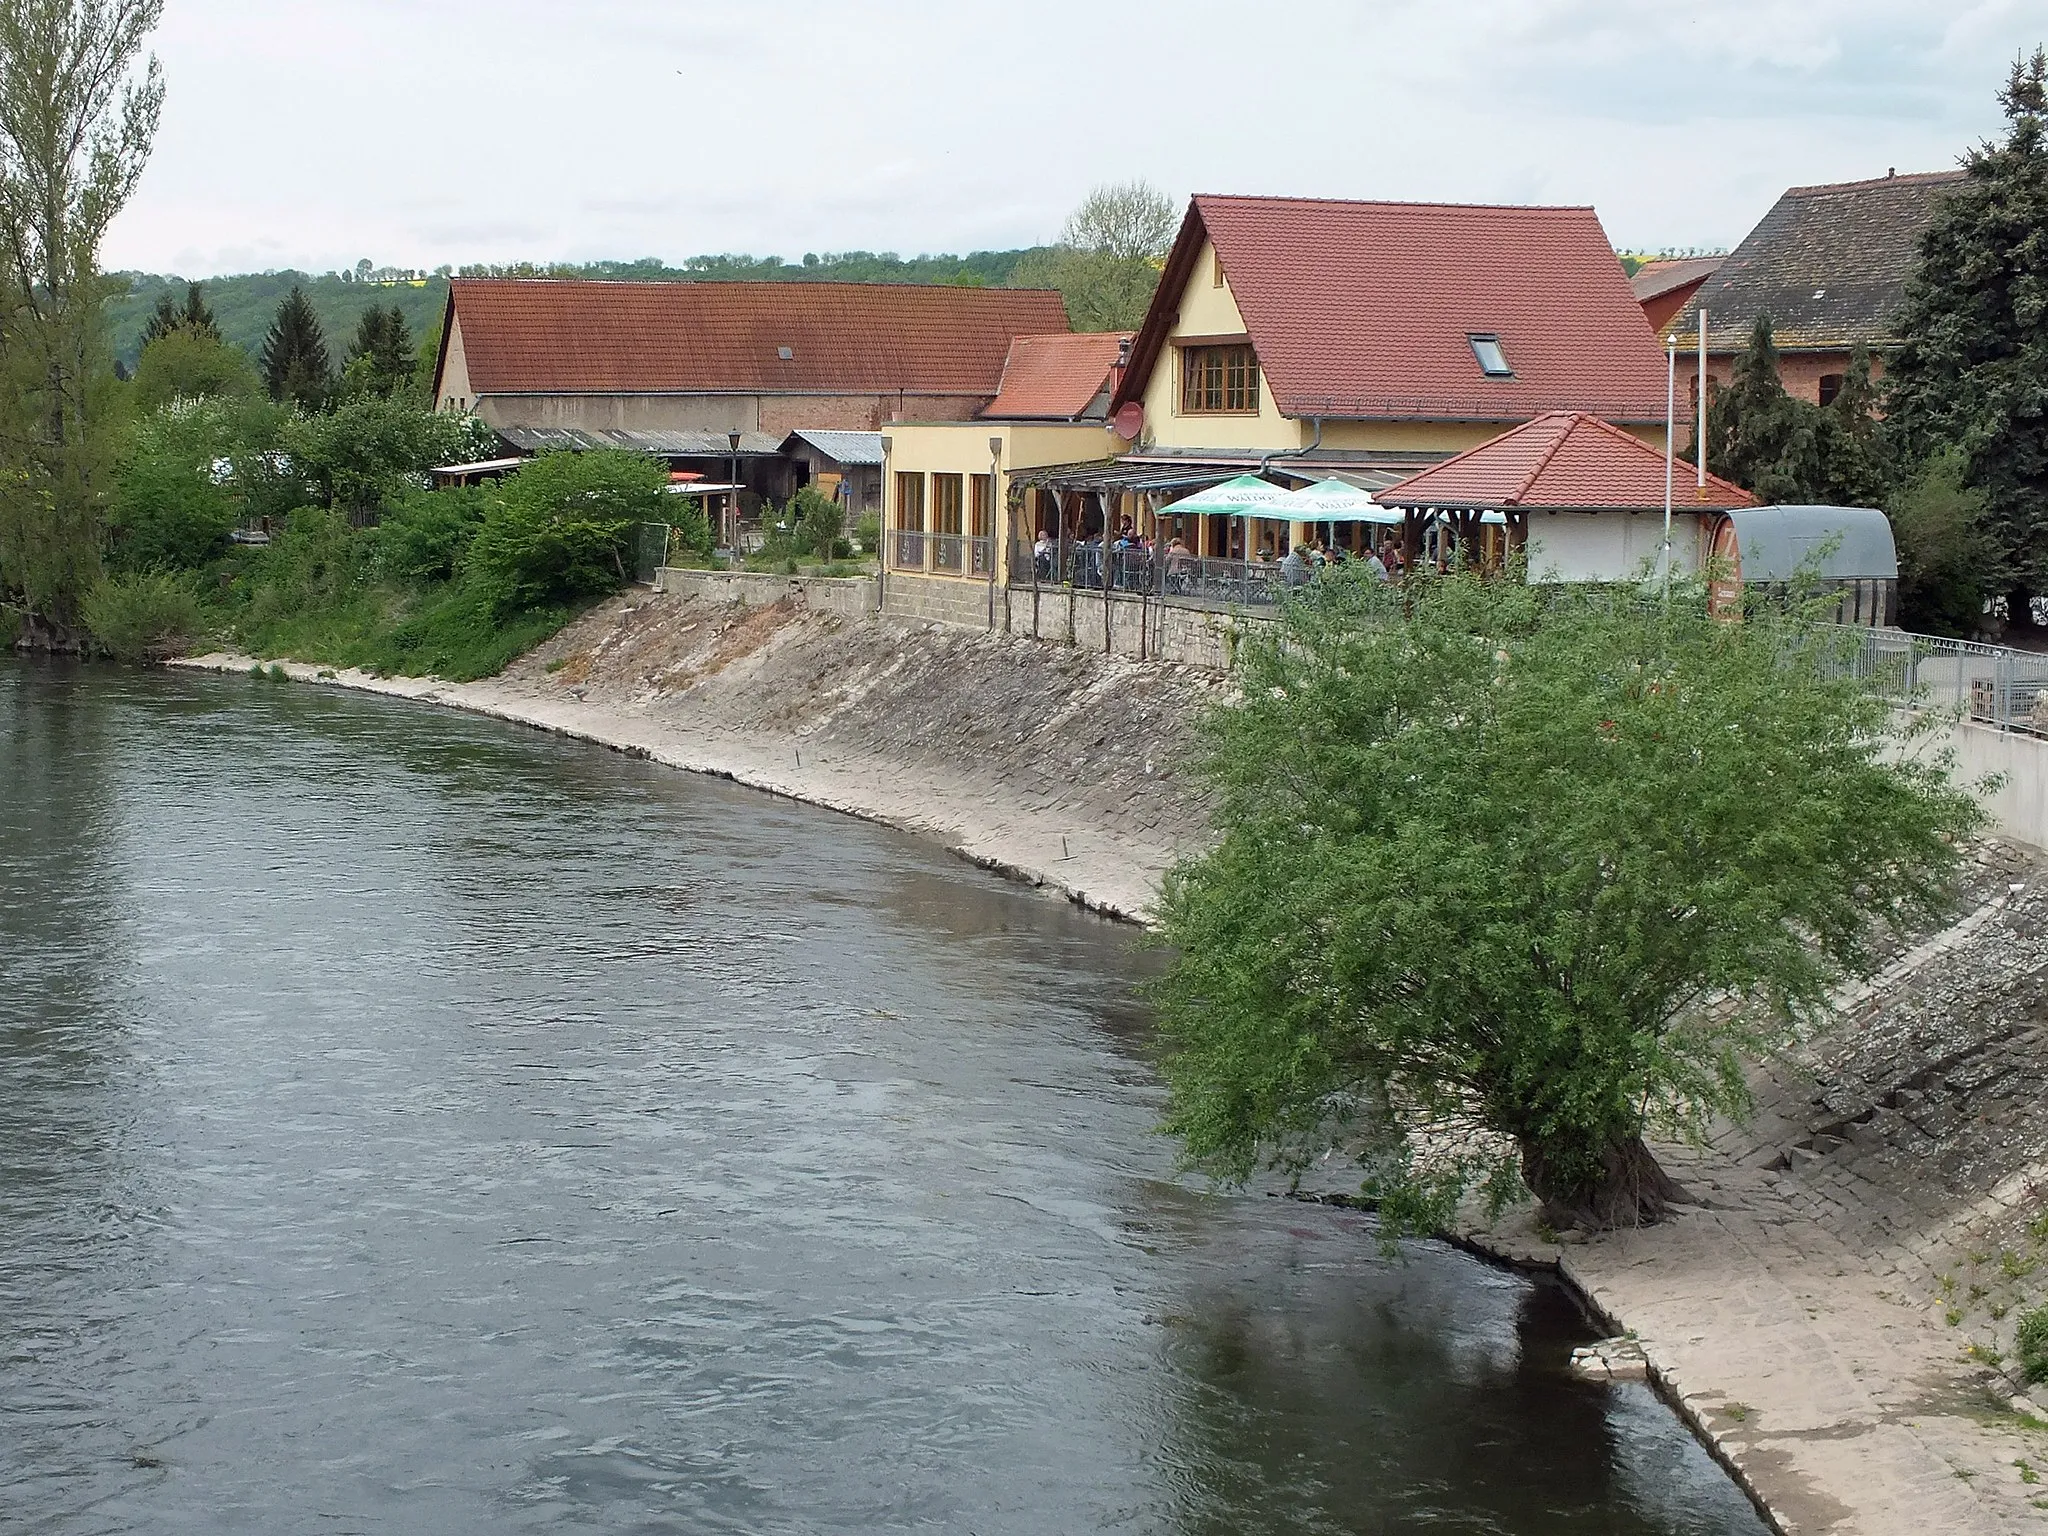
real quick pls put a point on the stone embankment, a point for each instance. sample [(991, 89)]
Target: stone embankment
[(1834, 1314)]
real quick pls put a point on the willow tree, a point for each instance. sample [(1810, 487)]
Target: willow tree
[(79, 106), (1507, 885)]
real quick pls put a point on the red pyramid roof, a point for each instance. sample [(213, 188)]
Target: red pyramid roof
[(1562, 461)]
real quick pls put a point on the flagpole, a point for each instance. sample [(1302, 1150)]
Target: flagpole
[(1670, 447)]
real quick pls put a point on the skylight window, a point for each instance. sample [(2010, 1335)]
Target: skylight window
[(1492, 361)]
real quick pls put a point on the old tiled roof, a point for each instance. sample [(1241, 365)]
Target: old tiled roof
[(530, 336), (1365, 310), (1563, 461), (1654, 279), (1056, 377), (1827, 264)]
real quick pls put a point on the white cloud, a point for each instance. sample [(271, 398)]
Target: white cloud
[(435, 131)]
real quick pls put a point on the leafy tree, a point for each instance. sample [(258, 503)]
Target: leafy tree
[(370, 449), (195, 468), (1945, 552), (1106, 265), (78, 113), (186, 364), (1125, 221), (1505, 883), (169, 514), (562, 527), (1971, 370), (424, 535), (294, 357)]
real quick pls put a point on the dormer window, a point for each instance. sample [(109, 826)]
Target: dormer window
[(1493, 362)]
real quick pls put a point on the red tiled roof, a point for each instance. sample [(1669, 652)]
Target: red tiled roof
[(1654, 279), (1564, 461), (536, 336), (1363, 310), (1056, 377)]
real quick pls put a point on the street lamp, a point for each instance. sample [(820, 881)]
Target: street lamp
[(732, 497)]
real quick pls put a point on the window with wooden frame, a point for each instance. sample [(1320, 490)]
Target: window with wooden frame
[(946, 500), (982, 505), (910, 501), (1215, 267), (1219, 381)]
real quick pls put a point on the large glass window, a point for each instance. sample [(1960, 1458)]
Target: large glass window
[(1220, 379), (946, 500), (984, 506), (910, 502)]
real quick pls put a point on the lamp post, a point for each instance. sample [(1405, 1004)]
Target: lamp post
[(732, 497), (995, 471)]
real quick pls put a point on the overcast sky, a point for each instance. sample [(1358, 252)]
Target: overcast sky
[(418, 132)]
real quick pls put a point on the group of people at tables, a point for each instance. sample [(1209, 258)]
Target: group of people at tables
[(1129, 554)]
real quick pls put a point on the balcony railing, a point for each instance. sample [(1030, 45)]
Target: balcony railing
[(906, 550), (947, 552)]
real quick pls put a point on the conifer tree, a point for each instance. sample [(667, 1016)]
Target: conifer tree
[(198, 315), (1760, 437), (380, 358), (394, 354), (163, 320), (1854, 467), (1971, 372), (294, 358)]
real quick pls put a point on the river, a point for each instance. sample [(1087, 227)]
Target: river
[(409, 1123)]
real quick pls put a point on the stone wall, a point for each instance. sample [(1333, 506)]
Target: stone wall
[(848, 597), (2020, 805)]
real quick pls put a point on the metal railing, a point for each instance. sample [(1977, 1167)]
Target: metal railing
[(1089, 567), (906, 550), (981, 557), (1989, 685), (948, 551)]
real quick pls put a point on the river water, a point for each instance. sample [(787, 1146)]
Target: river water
[(413, 1124)]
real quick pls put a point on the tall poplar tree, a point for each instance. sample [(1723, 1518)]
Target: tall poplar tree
[(1971, 372), (294, 357), (79, 106)]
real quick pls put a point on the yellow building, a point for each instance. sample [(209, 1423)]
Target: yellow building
[(1303, 339), (957, 518)]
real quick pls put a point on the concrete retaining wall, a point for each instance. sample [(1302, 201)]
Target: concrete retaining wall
[(2020, 808), (851, 597)]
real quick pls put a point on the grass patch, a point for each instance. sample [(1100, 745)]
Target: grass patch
[(440, 631)]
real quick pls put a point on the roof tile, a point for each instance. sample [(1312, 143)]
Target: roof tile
[(1056, 377), (1828, 264), (1566, 461), (1364, 310), (542, 336)]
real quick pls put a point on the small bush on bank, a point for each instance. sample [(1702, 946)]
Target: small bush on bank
[(816, 522), (869, 532), (560, 529), (145, 616), (425, 534), (2033, 1344)]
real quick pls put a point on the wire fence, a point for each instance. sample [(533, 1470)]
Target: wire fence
[(1990, 685), (650, 551)]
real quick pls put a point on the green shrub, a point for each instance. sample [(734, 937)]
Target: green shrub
[(169, 513), (2033, 1344), (816, 520), (373, 449), (869, 531), (425, 534), (145, 616), (560, 529), (694, 537)]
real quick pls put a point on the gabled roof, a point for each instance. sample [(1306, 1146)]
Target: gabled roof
[(1365, 310), (1654, 279), (841, 447), (1566, 461), (1057, 377), (1828, 264), (538, 336)]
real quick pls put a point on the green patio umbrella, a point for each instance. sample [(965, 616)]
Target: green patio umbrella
[(1246, 496), (1331, 501)]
